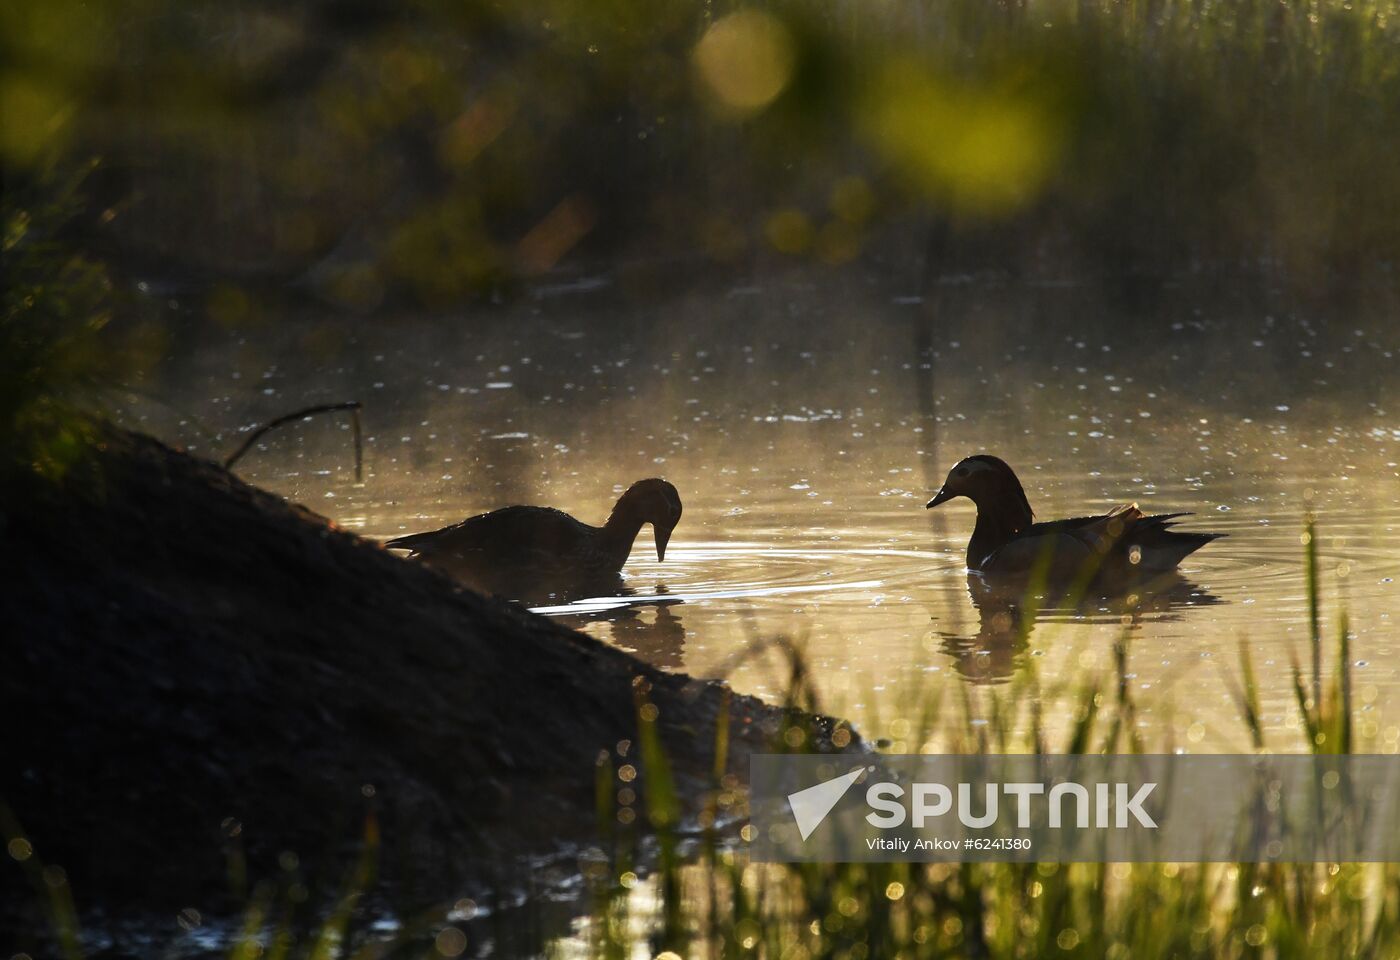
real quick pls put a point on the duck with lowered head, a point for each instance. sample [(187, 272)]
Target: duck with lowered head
[(1006, 539), (541, 547)]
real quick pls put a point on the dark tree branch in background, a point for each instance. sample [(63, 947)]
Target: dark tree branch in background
[(938, 250), (354, 406)]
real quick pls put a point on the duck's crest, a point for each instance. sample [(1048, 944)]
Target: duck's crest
[(1013, 483)]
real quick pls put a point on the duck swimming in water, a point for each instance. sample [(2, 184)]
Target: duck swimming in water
[(535, 547), (1006, 540)]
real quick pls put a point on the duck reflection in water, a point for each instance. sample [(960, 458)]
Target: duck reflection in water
[(659, 640), (649, 627), (1008, 613)]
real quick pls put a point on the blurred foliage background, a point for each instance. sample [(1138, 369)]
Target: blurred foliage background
[(374, 156), (369, 155), (430, 150)]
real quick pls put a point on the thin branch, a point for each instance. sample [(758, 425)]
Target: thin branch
[(354, 406)]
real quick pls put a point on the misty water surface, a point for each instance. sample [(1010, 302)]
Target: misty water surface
[(805, 428)]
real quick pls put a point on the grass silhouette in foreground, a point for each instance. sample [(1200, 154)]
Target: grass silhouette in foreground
[(729, 907), (706, 900)]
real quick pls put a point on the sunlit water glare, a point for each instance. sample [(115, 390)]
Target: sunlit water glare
[(794, 430)]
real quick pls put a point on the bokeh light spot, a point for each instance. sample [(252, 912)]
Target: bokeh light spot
[(745, 60)]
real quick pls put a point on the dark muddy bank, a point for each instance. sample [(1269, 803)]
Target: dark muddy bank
[(184, 649)]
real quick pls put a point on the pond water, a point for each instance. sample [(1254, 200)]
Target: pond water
[(805, 428)]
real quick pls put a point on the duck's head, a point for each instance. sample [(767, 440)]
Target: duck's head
[(656, 502), (986, 481)]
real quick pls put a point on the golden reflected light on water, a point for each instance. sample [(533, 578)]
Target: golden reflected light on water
[(804, 464)]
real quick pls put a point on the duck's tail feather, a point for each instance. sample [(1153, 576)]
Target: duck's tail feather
[(1162, 549), (1165, 519), (414, 541)]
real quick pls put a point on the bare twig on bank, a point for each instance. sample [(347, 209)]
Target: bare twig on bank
[(354, 406)]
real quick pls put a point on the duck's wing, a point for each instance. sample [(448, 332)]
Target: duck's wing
[(509, 535), (1104, 534), (1065, 547), (463, 532), (1072, 523), (1126, 533)]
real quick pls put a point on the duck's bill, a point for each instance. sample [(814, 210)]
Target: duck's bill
[(943, 497), (663, 537)]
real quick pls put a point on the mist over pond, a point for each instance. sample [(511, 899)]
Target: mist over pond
[(788, 412), (797, 258)]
